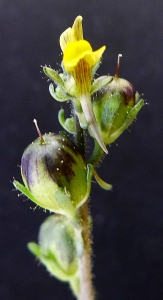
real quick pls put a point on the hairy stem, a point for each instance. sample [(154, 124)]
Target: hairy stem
[(85, 266), (84, 262)]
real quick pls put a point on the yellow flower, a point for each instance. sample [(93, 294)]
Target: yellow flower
[(78, 61)]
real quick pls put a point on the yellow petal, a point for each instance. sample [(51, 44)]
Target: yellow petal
[(74, 52), (78, 29), (66, 37), (94, 57), (72, 34), (78, 50)]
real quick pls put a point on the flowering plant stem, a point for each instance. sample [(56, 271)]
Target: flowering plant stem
[(84, 262)]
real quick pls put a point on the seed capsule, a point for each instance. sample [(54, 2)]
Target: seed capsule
[(54, 174), (115, 108)]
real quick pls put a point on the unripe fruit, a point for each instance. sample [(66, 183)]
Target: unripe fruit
[(54, 174), (115, 108)]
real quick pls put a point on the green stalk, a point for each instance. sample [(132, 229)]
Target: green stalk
[(84, 262)]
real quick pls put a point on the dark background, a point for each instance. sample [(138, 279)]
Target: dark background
[(128, 222)]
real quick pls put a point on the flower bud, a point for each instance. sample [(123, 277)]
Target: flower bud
[(55, 174), (115, 107), (56, 248)]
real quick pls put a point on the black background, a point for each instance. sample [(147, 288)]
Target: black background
[(128, 222)]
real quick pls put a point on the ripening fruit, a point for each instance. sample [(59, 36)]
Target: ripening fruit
[(55, 175), (115, 108)]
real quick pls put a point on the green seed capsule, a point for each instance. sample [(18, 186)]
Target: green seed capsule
[(54, 174), (115, 108)]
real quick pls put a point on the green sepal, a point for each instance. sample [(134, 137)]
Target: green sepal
[(100, 83), (134, 111), (34, 249), (52, 266), (75, 286), (21, 188), (102, 183), (129, 119), (68, 124), (89, 179), (58, 93), (25, 191), (95, 68), (52, 74)]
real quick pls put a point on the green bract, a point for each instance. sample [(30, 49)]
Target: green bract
[(115, 107), (51, 171)]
